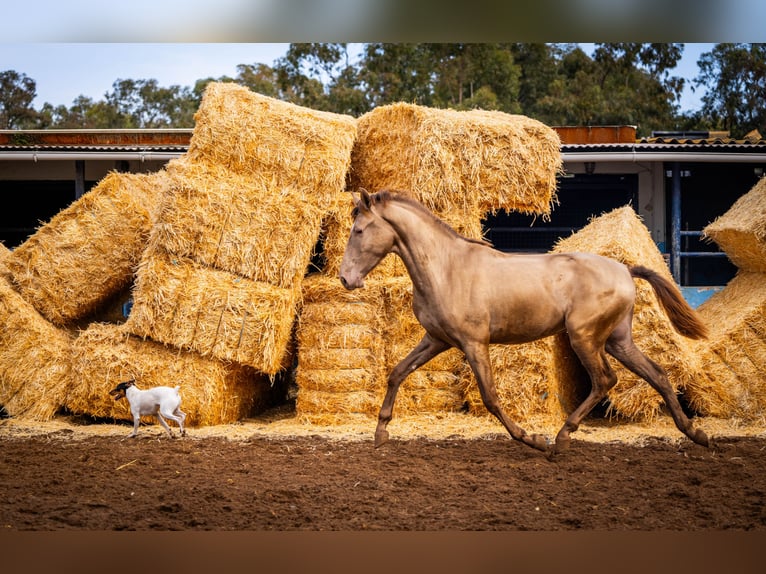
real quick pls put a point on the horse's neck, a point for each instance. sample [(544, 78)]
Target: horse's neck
[(425, 246)]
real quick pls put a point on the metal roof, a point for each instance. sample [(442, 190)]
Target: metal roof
[(578, 143)]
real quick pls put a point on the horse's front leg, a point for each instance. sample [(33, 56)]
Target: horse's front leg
[(478, 357), (426, 350)]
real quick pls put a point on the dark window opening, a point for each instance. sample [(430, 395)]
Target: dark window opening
[(36, 203), (581, 198), (707, 192)]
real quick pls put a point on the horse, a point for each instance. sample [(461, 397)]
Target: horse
[(468, 295)]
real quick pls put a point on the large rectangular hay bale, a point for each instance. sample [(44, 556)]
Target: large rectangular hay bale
[(737, 317), (239, 224), (35, 357), (621, 235), (293, 147), (214, 313), (87, 252), (212, 391), (434, 386), (741, 231), (450, 159), (340, 349)]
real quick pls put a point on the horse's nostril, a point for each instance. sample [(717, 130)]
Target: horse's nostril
[(343, 281)]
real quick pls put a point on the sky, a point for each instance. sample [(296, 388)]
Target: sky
[(64, 71)]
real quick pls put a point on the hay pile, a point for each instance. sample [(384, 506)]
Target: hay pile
[(461, 165), (222, 271), (621, 235), (737, 315), (35, 363), (736, 351), (212, 392), (88, 252), (212, 249)]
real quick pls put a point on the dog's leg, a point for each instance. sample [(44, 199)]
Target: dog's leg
[(164, 424), (136, 421)]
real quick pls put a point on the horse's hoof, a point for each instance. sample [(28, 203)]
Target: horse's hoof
[(539, 442), (561, 445), (381, 438), (701, 438)]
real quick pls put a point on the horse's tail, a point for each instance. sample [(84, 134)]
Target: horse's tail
[(684, 318)]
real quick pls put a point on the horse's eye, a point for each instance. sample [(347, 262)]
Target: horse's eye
[(357, 230)]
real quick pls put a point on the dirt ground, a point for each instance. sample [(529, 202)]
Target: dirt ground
[(436, 474)]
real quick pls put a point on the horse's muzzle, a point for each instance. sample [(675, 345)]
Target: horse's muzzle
[(351, 284)]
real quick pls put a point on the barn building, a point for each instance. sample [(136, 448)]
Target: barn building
[(677, 183)]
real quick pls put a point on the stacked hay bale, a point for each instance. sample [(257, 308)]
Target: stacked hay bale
[(736, 352), (222, 271), (35, 360), (212, 391), (461, 165), (621, 235), (339, 341), (88, 251)]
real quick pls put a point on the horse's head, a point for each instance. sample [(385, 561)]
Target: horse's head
[(371, 239)]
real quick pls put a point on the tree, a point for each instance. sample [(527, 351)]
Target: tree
[(306, 69), (258, 78), (735, 79), (17, 92)]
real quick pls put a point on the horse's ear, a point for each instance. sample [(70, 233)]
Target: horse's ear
[(366, 201), (363, 201)]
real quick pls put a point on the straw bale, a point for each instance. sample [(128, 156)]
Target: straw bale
[(87, 252), (434, 386), (451, 158), (212, 391), (741, 231), (240, 224), (340, 380), (341, 354), (310, 402), (214, 313), (737, 317), (621, 235), (249, 134), (526, 380), (34, 358)]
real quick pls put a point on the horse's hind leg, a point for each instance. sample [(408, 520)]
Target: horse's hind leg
[(478, 358), (621, 346), (426, 350), (602, 378)]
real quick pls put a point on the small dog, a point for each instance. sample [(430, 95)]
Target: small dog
[(159, 401)]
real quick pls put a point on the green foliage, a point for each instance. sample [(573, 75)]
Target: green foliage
[(17, 91), (735, 78), (559, 84)]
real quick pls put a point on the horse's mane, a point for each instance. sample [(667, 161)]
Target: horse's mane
[(384, 196)]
